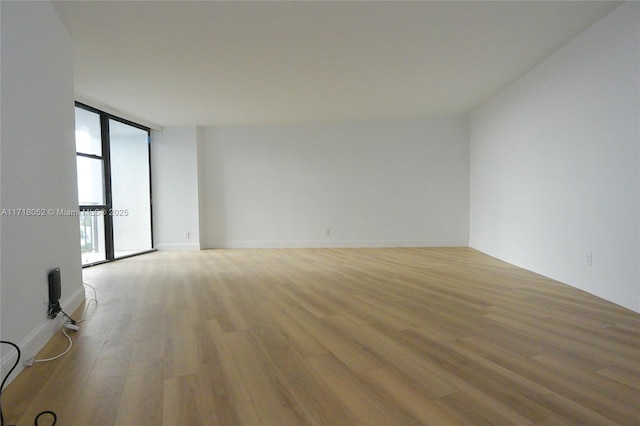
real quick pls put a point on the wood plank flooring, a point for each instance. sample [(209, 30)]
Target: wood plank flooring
[(435, 336)]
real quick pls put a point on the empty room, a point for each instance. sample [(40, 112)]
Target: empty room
[(320, 213)]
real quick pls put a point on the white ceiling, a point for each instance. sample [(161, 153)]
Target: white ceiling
[(235, 63)]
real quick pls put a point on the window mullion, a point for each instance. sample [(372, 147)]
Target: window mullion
[(108, 220)]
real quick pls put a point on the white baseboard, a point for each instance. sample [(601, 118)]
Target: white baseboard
[(38, 337), (599, 288), (340, 244), (176, 247)]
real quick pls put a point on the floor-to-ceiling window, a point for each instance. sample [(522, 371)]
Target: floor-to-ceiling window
[(114, 186)]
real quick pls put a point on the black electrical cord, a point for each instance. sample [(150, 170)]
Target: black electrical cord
[(55, 418), (7, 376), (15, 364), (71, 320)]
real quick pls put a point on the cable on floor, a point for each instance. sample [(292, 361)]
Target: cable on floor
[(64, 331), (70, 321), (17, 361), (88, 302), (15, 364)]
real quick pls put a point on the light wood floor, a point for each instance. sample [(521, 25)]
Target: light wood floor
[(339, 337)]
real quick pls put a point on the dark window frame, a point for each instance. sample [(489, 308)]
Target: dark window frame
[(106, 162)]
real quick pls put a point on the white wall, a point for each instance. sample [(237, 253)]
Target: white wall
[(554, 164), (377, 183), (38, 171), (174, 171)]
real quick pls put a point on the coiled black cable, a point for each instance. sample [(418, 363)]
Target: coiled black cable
[(55, 418), (7, 376), (15, 364)]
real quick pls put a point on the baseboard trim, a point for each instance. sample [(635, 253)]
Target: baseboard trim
[(340, 244), (39, 336), (601, 289), (177, 247)]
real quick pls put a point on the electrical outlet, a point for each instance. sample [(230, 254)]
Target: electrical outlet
[(187, 235), (590, 259), (326, 231)]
